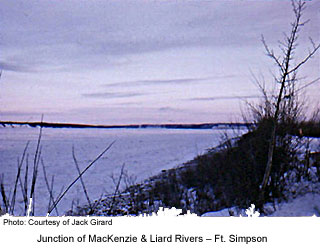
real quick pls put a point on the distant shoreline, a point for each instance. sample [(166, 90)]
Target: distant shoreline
[(128, 126)]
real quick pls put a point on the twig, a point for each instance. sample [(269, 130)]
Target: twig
[(26, 186), (116, 189), (33, 183), (81, 180), (51, 189), (48, 186), (68, 188), (35, 168), (13, 199), (310, 55), (308, 84), (3, 194)]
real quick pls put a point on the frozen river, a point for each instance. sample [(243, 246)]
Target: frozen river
[(144, 152)]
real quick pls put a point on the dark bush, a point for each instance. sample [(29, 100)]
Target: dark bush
[(235, 172)]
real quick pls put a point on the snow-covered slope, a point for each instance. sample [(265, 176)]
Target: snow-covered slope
[(305, 205)]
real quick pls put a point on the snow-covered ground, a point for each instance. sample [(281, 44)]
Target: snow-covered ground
[(304, 205), (144, 152)]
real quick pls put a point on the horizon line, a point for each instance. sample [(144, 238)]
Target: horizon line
[(143, 125)]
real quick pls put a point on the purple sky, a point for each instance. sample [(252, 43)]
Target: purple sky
[(138, 61)]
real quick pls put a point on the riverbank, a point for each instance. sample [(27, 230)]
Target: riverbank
[(172, 188)]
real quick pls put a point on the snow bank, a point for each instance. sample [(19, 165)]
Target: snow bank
[(305, 205)]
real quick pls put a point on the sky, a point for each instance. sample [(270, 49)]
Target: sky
[(139, 61)]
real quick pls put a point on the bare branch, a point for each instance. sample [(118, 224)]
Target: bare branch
[(36, 161), (3, 194), (47, 184), (72, 183), (309, 56), (308, 84), (81, 180), (116, 189), (13, 199), (270, 53)]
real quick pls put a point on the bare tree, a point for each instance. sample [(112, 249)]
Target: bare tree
[(286, 78)]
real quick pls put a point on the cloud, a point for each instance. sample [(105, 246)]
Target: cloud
[(14, 67), (169, 109), (110, 95), (153, 82), (213, 98), (131, 27), (44, 30), (165, 81), (126, 104), (19, 113)]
